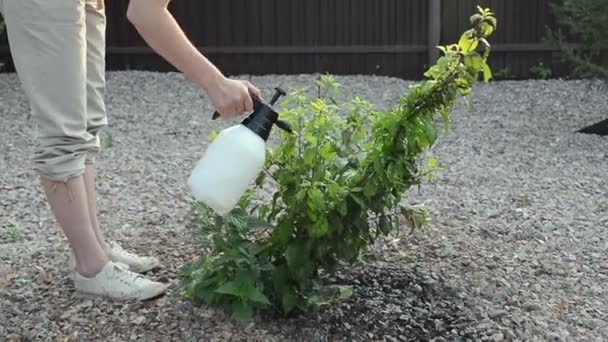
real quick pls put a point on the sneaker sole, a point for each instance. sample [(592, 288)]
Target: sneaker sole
[(161, 292)]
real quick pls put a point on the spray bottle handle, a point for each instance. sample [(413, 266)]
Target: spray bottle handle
[(256, 102)]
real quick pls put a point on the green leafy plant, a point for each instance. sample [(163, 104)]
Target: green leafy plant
[(503, 74), (585, 23), (540, 71), (337, 185), (107, 141), (12, 233)]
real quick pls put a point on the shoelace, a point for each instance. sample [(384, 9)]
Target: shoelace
[(125, 276)]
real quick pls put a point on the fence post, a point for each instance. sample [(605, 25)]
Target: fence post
[(434, 30)]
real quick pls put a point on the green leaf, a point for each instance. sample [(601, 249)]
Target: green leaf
[(445, 115), (467, 41), (205, 292), (243, 287), (309, 157), (336, 222), (255, 295), (475, 19), (318, 106), (385, 225), (316, 200), (487, 73), (334, 189), (439, 68), (473, 61), (289, 300), (320, 227), (297, 254), (434, 72), (345, 292), (282, 233), (282, 287), (317, 301), (370, 189), (327, 152), (280, 278), (257, 223), (491, 21), (310, 138), (429, 129), (233, 288), (213, 135), (260, 179), (242, 311), (236, 221), (487, 29), (420, 219), (343, 208)]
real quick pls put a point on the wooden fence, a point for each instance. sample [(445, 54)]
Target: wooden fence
[(384, 37)]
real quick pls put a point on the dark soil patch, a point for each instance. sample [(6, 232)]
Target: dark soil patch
[(390, 302), (400, 303)]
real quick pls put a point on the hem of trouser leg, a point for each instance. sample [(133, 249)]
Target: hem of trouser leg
[(60, 178), (91, 157)]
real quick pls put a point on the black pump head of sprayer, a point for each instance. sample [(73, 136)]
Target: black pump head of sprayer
[(263, 117)]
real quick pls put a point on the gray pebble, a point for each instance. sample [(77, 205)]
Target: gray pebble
[(518, 215)]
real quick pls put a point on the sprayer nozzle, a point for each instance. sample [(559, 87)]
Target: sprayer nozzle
[(284, 126)]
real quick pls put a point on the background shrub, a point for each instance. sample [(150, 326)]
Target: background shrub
[(584, 22)]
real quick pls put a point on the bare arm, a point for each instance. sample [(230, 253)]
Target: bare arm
[(163, 34)]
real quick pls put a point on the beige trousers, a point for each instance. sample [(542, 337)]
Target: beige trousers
[(58, 48)]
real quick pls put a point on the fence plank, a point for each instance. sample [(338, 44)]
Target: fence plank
[(389, 37), (434, 23)]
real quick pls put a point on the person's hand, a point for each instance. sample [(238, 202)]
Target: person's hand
[(232, 97)]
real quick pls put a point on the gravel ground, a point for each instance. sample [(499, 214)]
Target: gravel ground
[(516, 249)]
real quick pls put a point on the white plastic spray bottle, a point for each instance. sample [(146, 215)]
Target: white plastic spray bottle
[(235, 158)]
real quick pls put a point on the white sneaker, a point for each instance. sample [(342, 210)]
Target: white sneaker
[(135, 262), (115, 282)]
